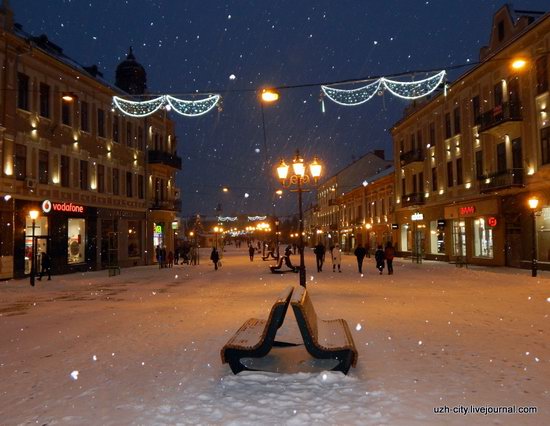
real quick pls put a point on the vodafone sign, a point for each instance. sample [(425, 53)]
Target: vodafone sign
[(48, 206)]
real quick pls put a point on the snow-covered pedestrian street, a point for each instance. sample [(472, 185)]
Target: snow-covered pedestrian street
[(144, 347)]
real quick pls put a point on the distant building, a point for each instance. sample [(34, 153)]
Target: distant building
[(104, 183), (467, 161)]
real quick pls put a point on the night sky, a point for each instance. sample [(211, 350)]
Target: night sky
[(234, 47)]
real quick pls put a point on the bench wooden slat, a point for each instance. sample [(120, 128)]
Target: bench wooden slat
[(255, 337), (325, 339)]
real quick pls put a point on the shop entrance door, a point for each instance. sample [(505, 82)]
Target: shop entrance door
[(459, 240)]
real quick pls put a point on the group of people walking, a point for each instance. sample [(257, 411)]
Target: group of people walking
[(383, 256), (335, 257)]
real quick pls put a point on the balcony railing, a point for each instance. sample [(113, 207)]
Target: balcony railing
[(414, 199), (171, 205), (500, 114), (161, 157), (416, 155), (501, 180)]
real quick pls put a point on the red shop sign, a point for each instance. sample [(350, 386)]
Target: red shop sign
[(492, 221), (467, 210), (48, 206)]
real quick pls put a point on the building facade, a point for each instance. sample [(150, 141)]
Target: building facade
[(104, 184), (467, 160)]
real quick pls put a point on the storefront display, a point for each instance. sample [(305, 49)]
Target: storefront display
[(134, 238), (76, 240), (437, 237), (158, 234), (483, 238), (40, 230)]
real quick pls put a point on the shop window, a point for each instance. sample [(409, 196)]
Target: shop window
[(43, 167), (483, 239), (100, 123), (437, 238), (40, 230), (134, 238), (76, 240), (20, 162), (23, 91), (44, 100), (158, 234), (84, 119), (405, 238), (459, 238), (65, 171)]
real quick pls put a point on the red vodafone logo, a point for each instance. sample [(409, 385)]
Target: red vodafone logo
[(48, 206), (492, 221)]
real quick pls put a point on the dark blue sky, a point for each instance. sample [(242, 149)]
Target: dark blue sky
[(197, 45)]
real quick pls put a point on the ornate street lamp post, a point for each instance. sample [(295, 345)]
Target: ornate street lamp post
[(33, 215), (299, 178), (533, 204)]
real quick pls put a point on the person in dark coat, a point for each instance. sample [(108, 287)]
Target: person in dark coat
[(389, 254), (379, 256), (215, 257), (360, 253), (157, 254), (251, 252), (319, 251), (46, 265)]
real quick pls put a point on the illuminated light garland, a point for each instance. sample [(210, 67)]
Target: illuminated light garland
[(139, 109), (353, 96), (227, 219), (254, 218), (413, 89), (401, 89), (193, 108)]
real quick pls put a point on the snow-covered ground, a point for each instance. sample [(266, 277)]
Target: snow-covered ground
[(144, 347)]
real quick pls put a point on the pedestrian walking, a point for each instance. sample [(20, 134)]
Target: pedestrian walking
[(46, 265), (170, 259), (157, 255), (215, 257), (319, 251), (176, 255), (389, 254), (163, 257), (360, 253), (251, 252), (336, 255), (379, 256)]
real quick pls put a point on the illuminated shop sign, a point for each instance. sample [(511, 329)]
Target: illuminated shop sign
[(441, 223), (48, 206), (492, 221), (417, 216), (394, 226), (467, 210)]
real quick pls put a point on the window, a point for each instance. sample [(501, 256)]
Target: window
[(115, 128), (141, 187), (434, 179), (116, 182), (501, 157), (43, 167), (66, 110), (44, 100), (413, 142), (450, 174), (76, 233), (129, 192), (83, 175), (437, 238), (476, 111), (542, 74), (84, 119), (447, 125), (500, 29), (421, 181), (134, 238), (456, 117), (100, 178), (22, 91), (483, 239), (65, 171), (415, 184), (403, 186), (432, 134), (100, 123), (498, 94), (401, 146), (479, 164), (129, 134), (459, 178), (20, 162), (545, 144), (140, 139)]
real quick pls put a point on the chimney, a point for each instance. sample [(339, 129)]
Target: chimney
[(379, 153)]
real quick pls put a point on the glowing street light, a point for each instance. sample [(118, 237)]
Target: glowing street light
[(33, 214)]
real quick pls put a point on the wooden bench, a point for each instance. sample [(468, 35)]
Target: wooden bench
[(324, 339), (270, 254), (113, 270), (276, 269), (256, 337)]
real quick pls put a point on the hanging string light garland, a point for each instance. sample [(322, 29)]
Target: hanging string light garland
[(401, 89), (181, 106)]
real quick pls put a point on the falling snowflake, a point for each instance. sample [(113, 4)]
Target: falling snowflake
[(246, 195), (232, 77), (74, 375), (358, 327)]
